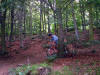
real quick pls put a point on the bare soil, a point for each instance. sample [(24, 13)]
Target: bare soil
[(34, 53)]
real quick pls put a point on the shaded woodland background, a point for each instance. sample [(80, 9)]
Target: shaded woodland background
[(19, 18), (24, 25)]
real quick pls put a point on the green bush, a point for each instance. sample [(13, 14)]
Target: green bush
[(90, 43), (94, 42), (51, 58), (64, 71), (85, 44), (98, 71), (23, 70)]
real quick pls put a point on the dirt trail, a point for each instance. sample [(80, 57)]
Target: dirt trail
[(34, 54)]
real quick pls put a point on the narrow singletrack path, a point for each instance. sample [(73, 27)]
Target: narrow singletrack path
[(34, 54)]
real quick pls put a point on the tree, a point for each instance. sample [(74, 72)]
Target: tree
[(12, 23), (91, 4), (30, 10), (3, 11), (54, 14), (74, 20), (40, 17), (67, 12), (2, 22), (91, 35), (82, 11), (20, 14), (49, 31), (24, 22), (58, 11), (60, 29)]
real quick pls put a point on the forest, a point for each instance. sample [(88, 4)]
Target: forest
[(49, 37)]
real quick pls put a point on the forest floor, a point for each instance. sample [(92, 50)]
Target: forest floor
[(34, 53)]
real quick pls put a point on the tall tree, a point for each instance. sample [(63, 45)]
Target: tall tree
[(3, 11), (58, 11), (12, 23), (67, 12), (91, 4), (24, 22), (74, 21), (48, 21), (44, 18), (82, 11), (40, 26), (91, 35), (30, 10), (60, 29), (54, 14), (20, 22)]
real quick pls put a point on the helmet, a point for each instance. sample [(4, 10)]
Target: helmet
[(49, 34)]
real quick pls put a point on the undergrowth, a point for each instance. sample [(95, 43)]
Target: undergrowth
[(25, 69), (66, 70)]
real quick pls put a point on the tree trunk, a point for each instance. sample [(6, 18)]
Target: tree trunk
[(15, 30), (66, 20), (40, 18), (49, 31), (74, 20), (12, 24), (7, 26), (55, 19), (60, 33), (2, 22), (30, 19), (55, 22), (45, 18), (20, 16), (91, 36), (24, 23), (97, 15), (82, 11)]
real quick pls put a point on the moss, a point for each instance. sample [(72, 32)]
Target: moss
[(98, 71)]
